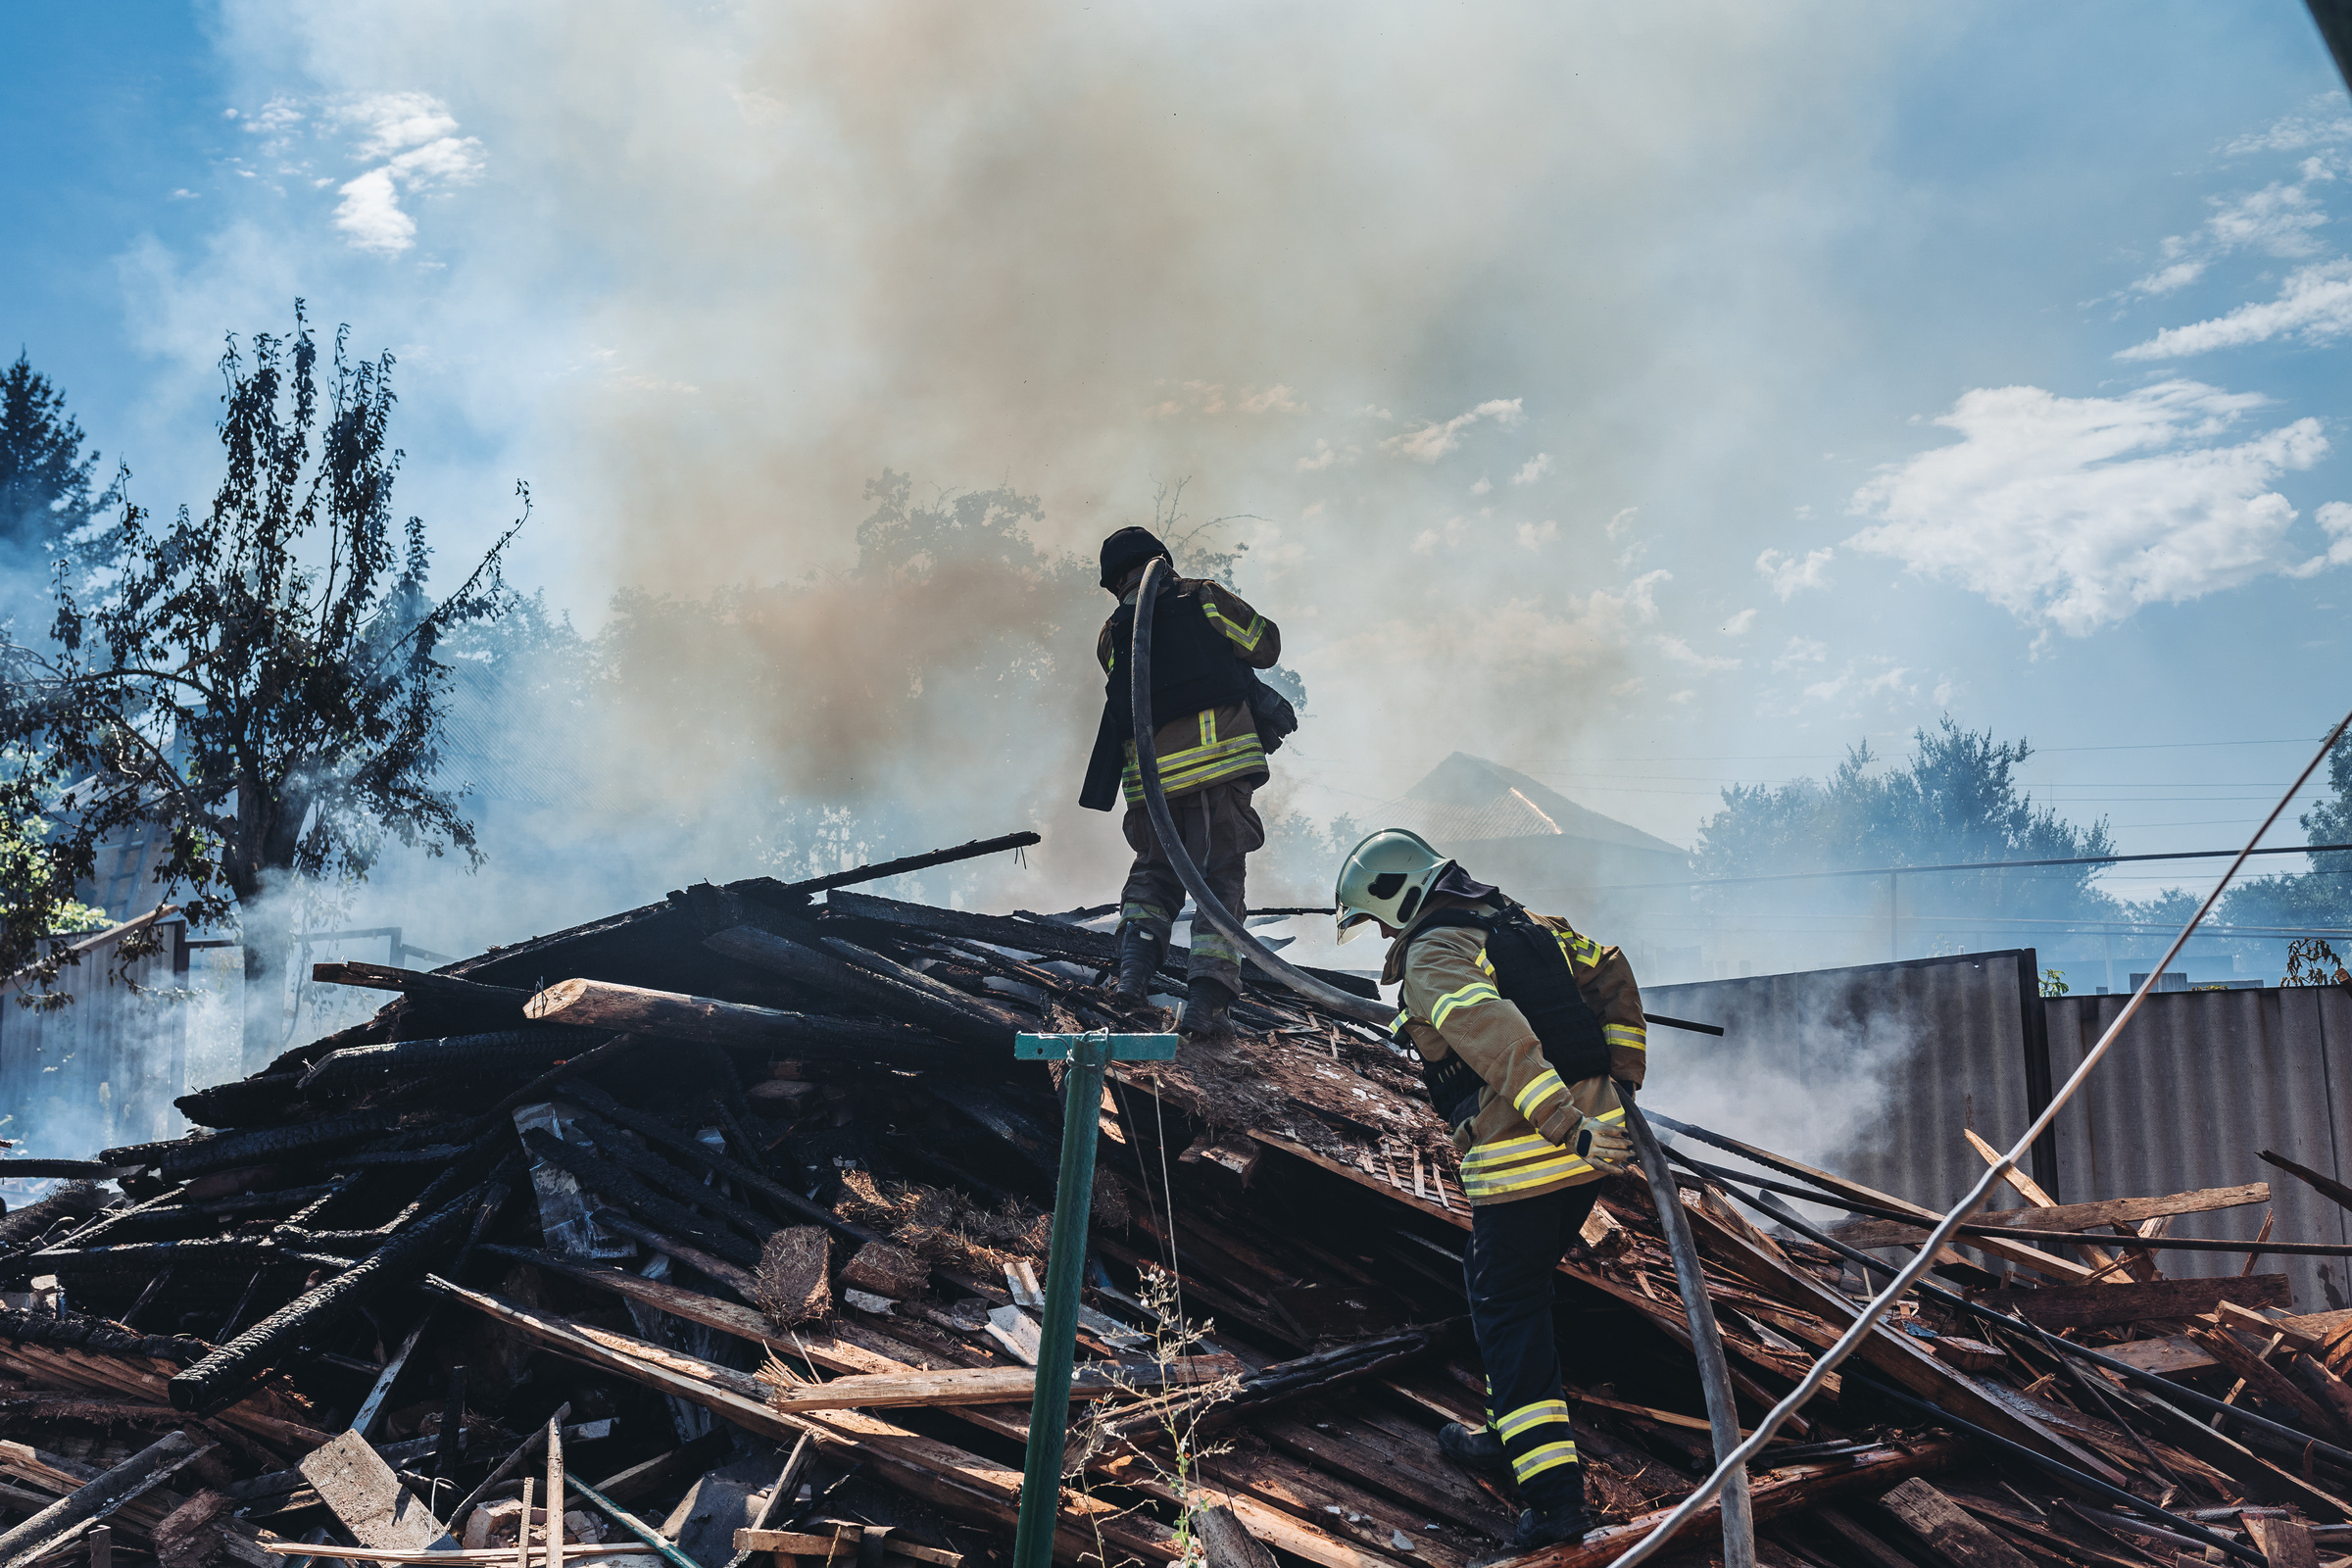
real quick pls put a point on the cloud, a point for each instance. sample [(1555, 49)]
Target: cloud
[(1622, 520), (2164, 281), (1536, 535), (1484, 485), (2321, 125), (2335, 521), (1536, 467), (2281, 220), (370, 214), (1800, 651), (1431, 442), (1828, 690), (1323, 457), (1789, 576), (2276, 220), (1273, 400), (415, 135), (393, 120), (1681, 653), (2073, 513), (1738, 625), (2315, 303)]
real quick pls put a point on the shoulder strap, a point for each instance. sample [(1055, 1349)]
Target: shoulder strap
[(1449, 918)]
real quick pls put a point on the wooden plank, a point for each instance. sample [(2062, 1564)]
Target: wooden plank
[(2026, 1188), (963, 1483), (2055, 1306), (2269, 1382), (2176, 1354), (1947, 1531), (1873, 1233), (2017, 1252), (2285, 1542), (996, 1384), (368, 1501), (1412, 1473), (1896, 1355)]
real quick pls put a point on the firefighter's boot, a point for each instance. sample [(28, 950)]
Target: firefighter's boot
[(1207, 1009), (1557, 1514), (1479, 1451), (1139, 956)]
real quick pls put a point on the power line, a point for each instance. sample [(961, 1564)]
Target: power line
[(1973, 866)]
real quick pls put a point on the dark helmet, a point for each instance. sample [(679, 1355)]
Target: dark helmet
[(1127, 550)]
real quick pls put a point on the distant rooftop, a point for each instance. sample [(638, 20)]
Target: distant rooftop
[(1467, 799)]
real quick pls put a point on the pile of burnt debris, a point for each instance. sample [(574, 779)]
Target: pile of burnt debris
[(712, 1229)]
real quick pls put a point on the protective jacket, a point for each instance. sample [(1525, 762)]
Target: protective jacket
[(1520, 1041), (1205, 640)]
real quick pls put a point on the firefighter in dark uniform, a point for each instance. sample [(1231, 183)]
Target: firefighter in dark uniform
[(1207, 645), (1521, 1023)]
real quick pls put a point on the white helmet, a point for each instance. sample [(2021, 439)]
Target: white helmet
[(1385, 878)]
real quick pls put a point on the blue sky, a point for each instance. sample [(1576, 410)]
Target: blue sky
[(1648, 398)]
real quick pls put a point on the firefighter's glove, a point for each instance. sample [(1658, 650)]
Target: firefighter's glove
[(1607, 1146)]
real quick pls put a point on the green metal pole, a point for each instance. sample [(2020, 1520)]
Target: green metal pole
[(1066, 1271)]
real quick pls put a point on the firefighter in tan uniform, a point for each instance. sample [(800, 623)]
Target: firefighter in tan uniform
[(1207, 710), (1521, 1023)]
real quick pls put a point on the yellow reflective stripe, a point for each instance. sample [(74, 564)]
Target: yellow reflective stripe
[(1469, 996), (1197, 765), (1509, 1148), (1628, 1036), (1526, 1466), (1403, 1018), (1491, 1169), (1209, 726), (1529, 1415), (1484, 963), (1541, 1087), (1246, 637)]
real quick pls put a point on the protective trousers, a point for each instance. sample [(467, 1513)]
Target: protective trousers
[(1219, 828), (1509, 1268)]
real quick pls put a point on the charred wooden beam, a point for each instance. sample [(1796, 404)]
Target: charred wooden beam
[(184, 1158), (416, 983), (229, 1370), (725, 1273), (194, 1255), (964, 1019), (678, 1143), (1295, 1378), (601, 1176), (739, 1026), (668, 1179), (70, 1331), (135, 1476), (603, 1055), (796, 894), (260, 1101), (81, 1170), (471, 1055), (27, 1225)]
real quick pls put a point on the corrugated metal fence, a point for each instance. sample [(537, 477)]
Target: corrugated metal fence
[(1873, 1072), (2199, 1085), (104, 1069)]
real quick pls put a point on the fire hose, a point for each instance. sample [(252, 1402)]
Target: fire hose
[(1715, 1376)]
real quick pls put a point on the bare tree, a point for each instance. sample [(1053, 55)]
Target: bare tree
[(259, 683)]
